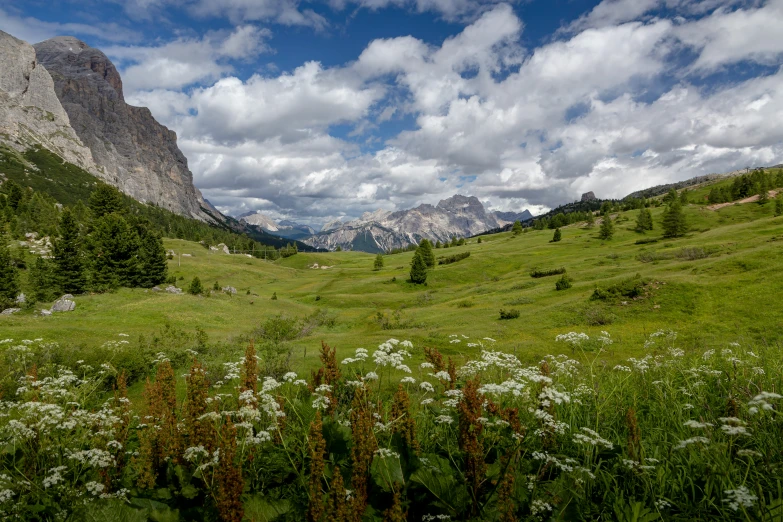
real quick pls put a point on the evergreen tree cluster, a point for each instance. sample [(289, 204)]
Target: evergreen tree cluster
[(756, 182)]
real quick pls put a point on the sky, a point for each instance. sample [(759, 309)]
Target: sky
[(319, 110)]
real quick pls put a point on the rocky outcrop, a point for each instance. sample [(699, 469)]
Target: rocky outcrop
[(382, 230), (131, 149), (64, 304), (589, 196), (30, 112)]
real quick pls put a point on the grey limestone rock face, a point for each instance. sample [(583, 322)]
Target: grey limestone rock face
[(381, 230), (133, 151), (30, 112), (588, 196), (9, 311)]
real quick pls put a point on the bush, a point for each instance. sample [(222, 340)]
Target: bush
[(195, 287), (646, 240), (563, 283), (509, 314), (274, 296), (465, 304), (628, 288), (447, 260), (546, 273), (598, 316)]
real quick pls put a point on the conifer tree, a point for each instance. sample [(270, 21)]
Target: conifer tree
[(425, 248), (607, 228), (9, 277), (105, 199), (115, 249), (684, 197), (42, 279), (779, 205), (590, 219), (763, 191), (153, 267), (516, 228), (479, 241), (438, 244), (196, 288), (68, 258), (557, 237), (418, 269), (674, 224), (378, 264), (644, 221)]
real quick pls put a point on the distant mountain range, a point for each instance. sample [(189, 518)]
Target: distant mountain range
[(285, 228)]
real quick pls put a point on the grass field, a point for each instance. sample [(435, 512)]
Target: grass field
[(720, 283)]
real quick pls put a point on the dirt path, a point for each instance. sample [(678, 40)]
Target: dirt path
[(751, 199)]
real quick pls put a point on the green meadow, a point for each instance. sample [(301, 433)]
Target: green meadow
[(718, 284)]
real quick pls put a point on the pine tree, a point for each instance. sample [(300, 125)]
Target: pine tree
[(153, 267), (674, 224), (479, 241), (9, 277), (590, 219), (425, 248), (557, 237), (43, 280), (68, 257), (105, 199), (684, 197), (15, 194), (779, 205), (418, 269), (378, 262), (115, 253), (763, 192), (438, 244), (516, 228), (644, 221), (607, 228), (195, 287)]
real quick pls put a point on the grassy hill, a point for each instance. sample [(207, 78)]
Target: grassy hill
[(716, 285)]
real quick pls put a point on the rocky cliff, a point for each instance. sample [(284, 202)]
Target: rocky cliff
[(130, 148), (381, 230), (30, 112)]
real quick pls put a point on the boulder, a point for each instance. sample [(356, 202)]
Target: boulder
[(229, 290), (20, 299), (9, 311), (173, 289), (224, 248), (46, 312), (64, 304), (155, 289)]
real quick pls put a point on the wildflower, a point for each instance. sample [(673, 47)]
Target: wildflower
[(662, 504), (442, 375), (693, 440), (426, 365), (408, 380), (739, 497), (427, 401), (387, 453), (444, 419), (696, 424), (748, 453), (591, 437), (371, 376)]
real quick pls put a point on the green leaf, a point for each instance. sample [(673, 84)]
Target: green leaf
[(260, 509)]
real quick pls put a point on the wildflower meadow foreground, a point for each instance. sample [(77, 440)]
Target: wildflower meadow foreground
[(373, 436)]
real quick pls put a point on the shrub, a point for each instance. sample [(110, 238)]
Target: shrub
[(563, 283), (509, 314), (447, 260), (195, 287), (465, 304), (646, 240), (274, 296), (598, 316), (546, 273), (557, 237), (628, 288)]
